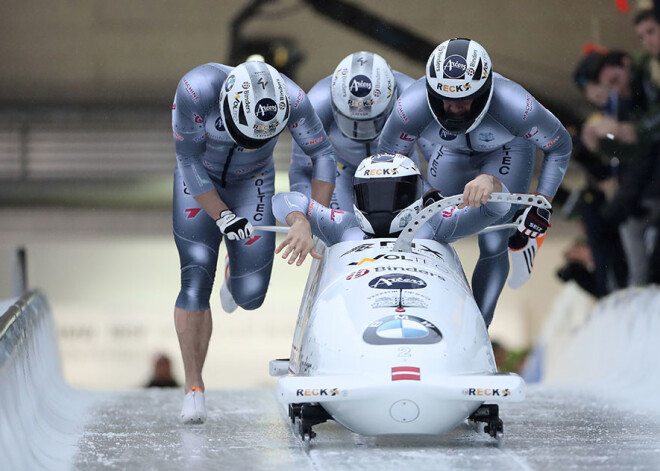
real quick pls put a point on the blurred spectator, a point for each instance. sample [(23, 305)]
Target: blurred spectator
[(162, 373), (605, 268), (636, 140)]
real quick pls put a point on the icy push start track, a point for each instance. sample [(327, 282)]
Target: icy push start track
[(44, 424), (554, 429)]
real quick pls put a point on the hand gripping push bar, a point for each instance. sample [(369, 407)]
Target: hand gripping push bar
[(404, 241)]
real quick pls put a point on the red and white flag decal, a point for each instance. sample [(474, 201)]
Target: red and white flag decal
[(400, 373)]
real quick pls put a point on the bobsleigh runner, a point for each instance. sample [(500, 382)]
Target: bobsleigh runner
[(389, 340)]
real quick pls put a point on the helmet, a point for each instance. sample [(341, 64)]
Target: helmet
[(387, 192), (363, 94), (254, 104), (459, 69)]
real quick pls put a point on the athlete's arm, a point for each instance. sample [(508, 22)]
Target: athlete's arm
[(454, 223), (192, 101), (327, 224), (519, 111), (478, 190), (307, 131), (411, 115), (298, 242)]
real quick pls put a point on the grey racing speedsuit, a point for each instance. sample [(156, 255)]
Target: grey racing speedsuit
[(207, 159), (349, 153), (503, 145), (334, 225)]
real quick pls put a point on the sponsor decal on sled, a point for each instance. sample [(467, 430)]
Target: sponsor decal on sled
[(318, 392), (356, 274), (403, 373), (401, 329), (397, 281), (486, 392)]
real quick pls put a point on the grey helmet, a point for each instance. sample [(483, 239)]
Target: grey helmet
[(363, 92), (254, 104)]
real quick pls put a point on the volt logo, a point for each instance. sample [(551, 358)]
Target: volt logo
[(385, 257), (192, 212), (262, 83)]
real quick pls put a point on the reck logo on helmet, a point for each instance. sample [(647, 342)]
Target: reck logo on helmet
[(381, 171), (266, 109), (360, 85), (454, 66), (453, 88)]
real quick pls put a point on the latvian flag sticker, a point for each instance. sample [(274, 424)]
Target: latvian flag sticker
[(400, 373)]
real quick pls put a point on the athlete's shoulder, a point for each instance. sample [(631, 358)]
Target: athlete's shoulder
[(320, 95), (412, 107), (403, 81), (202, 84), (511, 103), (297, 95)]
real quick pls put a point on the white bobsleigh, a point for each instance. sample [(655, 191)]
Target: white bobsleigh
[(389, 340)]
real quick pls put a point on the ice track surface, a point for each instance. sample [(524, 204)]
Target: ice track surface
[(555, 428)]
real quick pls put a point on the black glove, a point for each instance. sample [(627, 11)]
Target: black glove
[(534, 222), (234, 227), (432, 196)]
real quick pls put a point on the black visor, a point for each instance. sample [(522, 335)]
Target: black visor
[(381, 199), (453, 125), (237, 136)]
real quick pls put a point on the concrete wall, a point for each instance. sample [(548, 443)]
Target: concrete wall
[(123, 51)]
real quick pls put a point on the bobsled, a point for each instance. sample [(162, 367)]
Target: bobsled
[(389, 340)]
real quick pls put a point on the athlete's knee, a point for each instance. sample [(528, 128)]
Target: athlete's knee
[(249, 292), (493, 244), (196, 287)]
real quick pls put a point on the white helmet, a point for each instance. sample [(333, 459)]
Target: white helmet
[(254, 104), (459, 69), (363, 94), (387, 194)]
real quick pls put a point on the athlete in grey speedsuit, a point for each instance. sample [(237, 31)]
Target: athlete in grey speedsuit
[(225, 125), (387, 193), (485, 124), (353, 104)]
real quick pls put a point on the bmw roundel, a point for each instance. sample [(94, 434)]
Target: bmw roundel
[(230, 82), (401, 329)]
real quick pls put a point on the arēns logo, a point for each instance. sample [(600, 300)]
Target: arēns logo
[(454, 66), (360, 85), (266, 109), (397, 281)]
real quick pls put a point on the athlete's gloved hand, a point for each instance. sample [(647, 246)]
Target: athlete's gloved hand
[(432, 196), (533, 221), (234, 227)]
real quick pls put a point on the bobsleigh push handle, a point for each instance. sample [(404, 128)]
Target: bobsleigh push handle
[(404, 241)]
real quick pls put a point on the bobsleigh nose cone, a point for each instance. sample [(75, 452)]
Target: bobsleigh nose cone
[(404, 411)]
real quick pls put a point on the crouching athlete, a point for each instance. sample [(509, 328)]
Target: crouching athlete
[(225, 124)]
